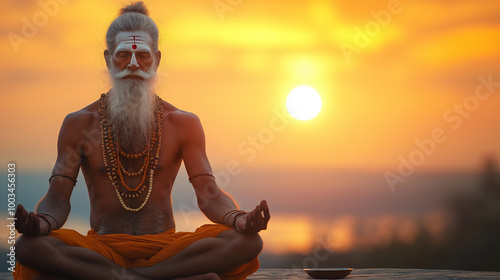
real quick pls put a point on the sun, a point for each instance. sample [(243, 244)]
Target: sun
[(303, 103)]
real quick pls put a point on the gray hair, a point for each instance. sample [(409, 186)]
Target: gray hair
[(134, 17)]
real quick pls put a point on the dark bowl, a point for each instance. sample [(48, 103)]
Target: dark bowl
[(328, 273)]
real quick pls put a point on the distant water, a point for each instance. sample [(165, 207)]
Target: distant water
[(310, 192), (322, 194), (32, 186)]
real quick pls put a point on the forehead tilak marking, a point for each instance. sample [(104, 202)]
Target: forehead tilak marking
[(134, 46), (132, 40)]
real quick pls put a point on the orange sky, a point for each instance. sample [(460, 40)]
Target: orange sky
[(234, 67), (412, 66)]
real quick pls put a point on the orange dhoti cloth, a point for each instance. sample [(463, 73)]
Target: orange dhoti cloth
[(140, 250)]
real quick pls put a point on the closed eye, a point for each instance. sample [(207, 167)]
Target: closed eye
[(122, 54), (144, 54)]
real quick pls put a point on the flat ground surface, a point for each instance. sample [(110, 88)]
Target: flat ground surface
[(382, 274), (367, 274)]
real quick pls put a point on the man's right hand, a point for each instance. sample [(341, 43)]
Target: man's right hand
[(28, 223)]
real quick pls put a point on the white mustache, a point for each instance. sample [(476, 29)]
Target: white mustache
[(116, 74)]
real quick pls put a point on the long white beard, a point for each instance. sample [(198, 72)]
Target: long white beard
[(131, 107)]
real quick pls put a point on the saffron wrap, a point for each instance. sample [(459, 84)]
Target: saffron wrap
[(129, 250)]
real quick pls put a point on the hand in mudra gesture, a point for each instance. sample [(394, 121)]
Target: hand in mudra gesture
[(28, 223), (255, 220)]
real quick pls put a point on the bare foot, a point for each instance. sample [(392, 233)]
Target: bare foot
[(208, 276)]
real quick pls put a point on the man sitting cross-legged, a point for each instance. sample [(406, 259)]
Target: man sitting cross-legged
[(129, 145)]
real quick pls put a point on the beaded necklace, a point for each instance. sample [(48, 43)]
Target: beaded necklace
[(111, 153)]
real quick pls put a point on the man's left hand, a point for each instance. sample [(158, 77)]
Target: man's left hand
[(255, 220)]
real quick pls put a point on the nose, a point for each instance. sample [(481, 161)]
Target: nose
[(133, 65)]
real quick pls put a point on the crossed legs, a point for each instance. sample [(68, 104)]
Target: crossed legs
[(200, 260)]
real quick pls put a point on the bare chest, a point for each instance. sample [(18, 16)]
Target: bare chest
[(135, 190), (96, 153)]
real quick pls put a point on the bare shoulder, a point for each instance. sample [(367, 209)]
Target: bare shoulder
[(83, 118), (180, 118)]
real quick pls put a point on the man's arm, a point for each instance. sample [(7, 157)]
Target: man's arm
[(214, 202), (53, 209)]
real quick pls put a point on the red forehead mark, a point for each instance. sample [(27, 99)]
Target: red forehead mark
[(134, 46)]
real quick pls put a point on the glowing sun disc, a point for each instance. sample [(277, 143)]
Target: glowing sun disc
[(303, 103)]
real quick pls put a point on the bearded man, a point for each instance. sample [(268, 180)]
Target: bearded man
[(129, 145)]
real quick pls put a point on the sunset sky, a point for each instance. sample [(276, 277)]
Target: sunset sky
[(391, 74)]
